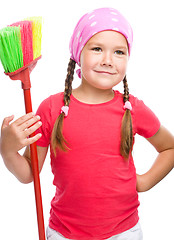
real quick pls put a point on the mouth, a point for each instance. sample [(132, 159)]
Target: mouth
[(105, 72)]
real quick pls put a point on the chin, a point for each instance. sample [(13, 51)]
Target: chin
[(104, 87)]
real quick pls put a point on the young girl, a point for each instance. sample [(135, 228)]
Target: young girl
[(90, 131)]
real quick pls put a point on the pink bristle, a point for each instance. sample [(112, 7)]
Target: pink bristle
[(26, 39)]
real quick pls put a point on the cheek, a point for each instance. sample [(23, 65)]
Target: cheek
[(122, 66), (88, 59), (87, 63)]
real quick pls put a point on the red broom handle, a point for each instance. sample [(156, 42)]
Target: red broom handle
[(35, 171), (23, 74)]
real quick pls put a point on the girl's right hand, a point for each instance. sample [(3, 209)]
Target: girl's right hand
[(14, 136)]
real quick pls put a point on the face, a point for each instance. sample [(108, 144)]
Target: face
[(104, 60)]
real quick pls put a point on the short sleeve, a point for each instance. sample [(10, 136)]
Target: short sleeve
[(145, 122), (44, 112)]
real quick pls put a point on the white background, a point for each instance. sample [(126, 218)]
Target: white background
[(150, 77)]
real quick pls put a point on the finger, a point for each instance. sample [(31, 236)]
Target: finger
[(31, 140), (32, 129), (7, 121), (23, 119), (27, 124)]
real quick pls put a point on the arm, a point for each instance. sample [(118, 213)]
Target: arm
[(14, 137), (163, 141)]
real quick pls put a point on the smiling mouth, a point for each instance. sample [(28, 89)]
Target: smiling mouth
[(105, 72)]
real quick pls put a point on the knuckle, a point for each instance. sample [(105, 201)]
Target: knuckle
[(39, 124), (31, 140), (30, 115), (38, 136), (28, 142), (32, 129), (37, 118), (26, 116), (26, 124), (36, 126), (12, 128), (22, 118), (28, 131)]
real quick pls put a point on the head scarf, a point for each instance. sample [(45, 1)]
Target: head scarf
[(98, 20)]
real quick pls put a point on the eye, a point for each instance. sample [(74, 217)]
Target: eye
[(119, 52), (97, 49)]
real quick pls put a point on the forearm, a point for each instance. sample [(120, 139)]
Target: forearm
[(161, 167), (19, 166)]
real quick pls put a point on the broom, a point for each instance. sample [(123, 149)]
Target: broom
[(20, 49)]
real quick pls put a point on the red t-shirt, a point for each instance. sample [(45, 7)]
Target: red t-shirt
[(96, 195)]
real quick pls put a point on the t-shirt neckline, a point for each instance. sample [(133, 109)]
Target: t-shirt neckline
[(96, 104)]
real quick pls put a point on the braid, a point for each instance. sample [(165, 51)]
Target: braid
[(68, 82), (126, 90), (57, 138), (126, 127)]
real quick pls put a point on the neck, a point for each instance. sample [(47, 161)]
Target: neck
[(93, 95)]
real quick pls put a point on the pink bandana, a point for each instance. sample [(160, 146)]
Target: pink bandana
[(97, 21)]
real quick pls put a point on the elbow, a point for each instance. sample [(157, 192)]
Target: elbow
[(25, 180)]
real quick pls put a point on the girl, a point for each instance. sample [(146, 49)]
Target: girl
[(90, 131)]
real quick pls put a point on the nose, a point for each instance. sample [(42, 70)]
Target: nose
[(107, 59)]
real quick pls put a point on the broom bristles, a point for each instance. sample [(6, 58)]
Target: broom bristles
[(20, 43), (37, 35), (26, 40), (10, 49)]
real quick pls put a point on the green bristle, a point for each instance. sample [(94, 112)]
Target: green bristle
[(11, 49)]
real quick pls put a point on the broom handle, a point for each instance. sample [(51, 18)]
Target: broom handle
[(35, 170), (23, 74)]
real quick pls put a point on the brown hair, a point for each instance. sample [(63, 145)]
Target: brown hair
[(126, 127), (58, 140)]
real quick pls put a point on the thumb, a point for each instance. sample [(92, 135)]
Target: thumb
[(6, 121)]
